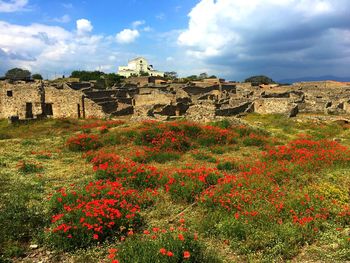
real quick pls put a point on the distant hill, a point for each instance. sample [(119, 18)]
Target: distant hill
[(330, 77)]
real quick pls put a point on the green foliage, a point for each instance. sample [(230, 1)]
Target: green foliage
[(223, 124), (253, 141), (18, 74), (37, 76), (112, 79), (158, 157), (29, 168), (144, 74), (228, 166), (165, 248), (204, 157), (203, 75), (258, 80), (20, 220), (170, 75), (87, 75)]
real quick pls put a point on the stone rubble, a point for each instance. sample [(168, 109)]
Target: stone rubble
[(204, 100)]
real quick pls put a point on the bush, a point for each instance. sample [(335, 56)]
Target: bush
[(228, 166), (83, 142), (254, 140), (258, 80), (112, 167), (28, 168), (81, 217), (204, 157), (162, 245), (158, 157), (187, 184), (20, 219)]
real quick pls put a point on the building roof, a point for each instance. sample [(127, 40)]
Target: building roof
[(138, 58)]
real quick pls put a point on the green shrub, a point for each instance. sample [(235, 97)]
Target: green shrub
[(29, 168), (83, 142), (254, 141), (20, 221), (92, 214), (162, 248), (158, 157), (204, 157), (112, 139), (228, 166), (5, 136), (223, 124)]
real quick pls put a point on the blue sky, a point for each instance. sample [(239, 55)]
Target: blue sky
[(233, 39)]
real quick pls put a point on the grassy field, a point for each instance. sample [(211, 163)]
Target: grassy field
[(270, 190)]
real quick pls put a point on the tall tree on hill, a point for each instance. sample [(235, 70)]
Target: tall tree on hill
[(18, 74), (203, 75), (37, 76), (170, 75), (87, 75), (258, 80)]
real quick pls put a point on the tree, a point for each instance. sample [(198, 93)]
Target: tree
[(258, 80), (18, 74), (203, 75), (37, 76), (213, 77), (192, 77), (87, 75), (170, 75), (111, 79), (144, 74)]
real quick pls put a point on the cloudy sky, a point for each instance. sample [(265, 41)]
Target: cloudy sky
[(230, 38)]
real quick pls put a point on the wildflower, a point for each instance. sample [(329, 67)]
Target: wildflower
[(181, 237), (170, 254), (113, 250), (162, 251), (186, 254), (95, 236)]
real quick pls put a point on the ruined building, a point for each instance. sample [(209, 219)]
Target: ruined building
[(137, 66), (149, 97)]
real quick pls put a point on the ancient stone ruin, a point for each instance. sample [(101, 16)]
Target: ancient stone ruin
[(150, 97)]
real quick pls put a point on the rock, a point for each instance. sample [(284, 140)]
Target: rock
[(33, 246)]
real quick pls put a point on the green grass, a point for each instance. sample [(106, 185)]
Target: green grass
[(25, 188)]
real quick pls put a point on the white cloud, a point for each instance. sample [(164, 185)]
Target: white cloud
[(67, 5), (84, 26), (63, 19), (127, 36), (240, 33), (138, 23), (12, 5), (147, 29), (160, 16), (55, 49)]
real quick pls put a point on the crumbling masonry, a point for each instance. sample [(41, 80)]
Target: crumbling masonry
[(147, 97)]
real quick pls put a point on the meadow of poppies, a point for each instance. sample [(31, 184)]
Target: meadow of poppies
[(178, 192)]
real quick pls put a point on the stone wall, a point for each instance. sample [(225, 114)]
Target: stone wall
[(22, 100), (276, 106), (68, 103)]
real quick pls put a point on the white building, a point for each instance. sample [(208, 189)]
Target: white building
[(137, 66)]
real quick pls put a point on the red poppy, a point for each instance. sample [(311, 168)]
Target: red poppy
[(187, 254)]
